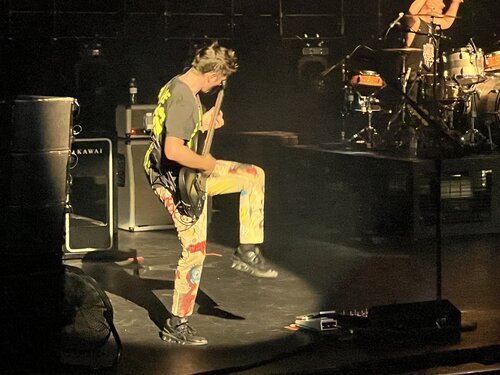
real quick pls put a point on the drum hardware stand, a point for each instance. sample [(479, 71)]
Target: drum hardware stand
[(347, 105), (404, 82), (434, 41), (368, 134), (472, 136), (405, 74), (434, 38), (348, 94)]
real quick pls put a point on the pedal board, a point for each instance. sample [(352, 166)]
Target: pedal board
[(333, 321), (436, 321)]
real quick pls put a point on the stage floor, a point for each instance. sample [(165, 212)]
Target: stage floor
[(245, 319)]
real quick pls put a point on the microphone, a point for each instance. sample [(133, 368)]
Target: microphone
[(393, 23)]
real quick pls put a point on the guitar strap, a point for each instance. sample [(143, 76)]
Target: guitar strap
[(194, 140)]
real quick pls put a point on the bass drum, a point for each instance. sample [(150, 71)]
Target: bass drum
[(488, 105)]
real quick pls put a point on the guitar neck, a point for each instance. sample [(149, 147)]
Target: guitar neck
[(211, 126)]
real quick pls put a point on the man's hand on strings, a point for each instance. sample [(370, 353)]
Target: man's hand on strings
[(207, 117)]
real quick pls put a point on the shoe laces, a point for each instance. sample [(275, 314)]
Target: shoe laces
[(254, 256), (184, 327)]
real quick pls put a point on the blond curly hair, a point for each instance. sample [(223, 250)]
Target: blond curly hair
[(217, 59)]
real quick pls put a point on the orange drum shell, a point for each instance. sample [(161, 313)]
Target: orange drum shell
[(492, 61), (367, 80)]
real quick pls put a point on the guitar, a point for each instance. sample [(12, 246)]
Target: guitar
[(192, 182)]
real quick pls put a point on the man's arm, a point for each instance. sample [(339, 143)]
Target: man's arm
[(176, 150), (451, 13), (416, 6), (413, 23)]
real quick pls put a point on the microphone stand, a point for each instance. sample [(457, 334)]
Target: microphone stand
[(327, 71), (435, 188), (434, 65), (393, 23)]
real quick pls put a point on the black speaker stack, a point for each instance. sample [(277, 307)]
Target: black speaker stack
[(35, 152)]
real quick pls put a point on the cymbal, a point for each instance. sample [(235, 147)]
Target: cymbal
[(402, 49)]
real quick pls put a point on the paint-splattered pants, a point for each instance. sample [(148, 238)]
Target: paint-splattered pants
[(227, 177)]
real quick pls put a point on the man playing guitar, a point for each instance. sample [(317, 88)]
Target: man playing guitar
[(176, 122)]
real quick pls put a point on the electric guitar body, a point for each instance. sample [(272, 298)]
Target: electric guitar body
[(192, 192)]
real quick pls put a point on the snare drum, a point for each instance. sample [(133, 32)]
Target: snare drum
[(463, 66), (367, 82), (492, 62), (445, 91)]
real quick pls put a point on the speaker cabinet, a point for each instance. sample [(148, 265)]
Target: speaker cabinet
[(134, 120), (138, 207), (437, 320), (90, 222)]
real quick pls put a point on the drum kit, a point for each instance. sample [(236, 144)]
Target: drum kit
[(460, 90)]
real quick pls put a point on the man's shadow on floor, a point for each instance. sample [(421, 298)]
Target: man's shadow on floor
[(120, 275)]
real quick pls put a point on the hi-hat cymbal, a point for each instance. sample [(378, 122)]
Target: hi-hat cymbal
[(402, 49)]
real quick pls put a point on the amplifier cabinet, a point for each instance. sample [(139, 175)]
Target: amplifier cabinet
[(134, 121), (90, 222), (138, 207)]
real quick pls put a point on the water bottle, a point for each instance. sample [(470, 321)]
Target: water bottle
[(132, 90)]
